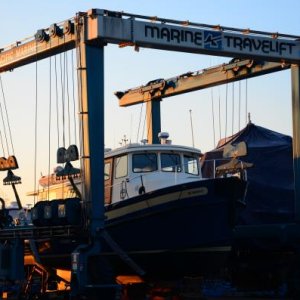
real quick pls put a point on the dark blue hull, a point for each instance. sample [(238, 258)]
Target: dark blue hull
[(178, 226), (185, 216)]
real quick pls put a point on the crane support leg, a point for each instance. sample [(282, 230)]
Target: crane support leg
[(153, 121), (91, 78), (295, 70)]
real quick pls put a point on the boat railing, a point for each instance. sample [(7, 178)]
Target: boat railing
[(209, 167)]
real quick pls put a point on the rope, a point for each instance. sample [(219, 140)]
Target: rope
[(7, 118), (213, 116)]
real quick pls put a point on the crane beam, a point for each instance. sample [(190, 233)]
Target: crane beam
[(157, 33), (20, 54), (185, 36), (193, 81)]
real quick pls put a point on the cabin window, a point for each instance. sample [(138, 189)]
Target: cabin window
[(121, 166), (170, 162), (191, 165), (107, 167), (144, 162)]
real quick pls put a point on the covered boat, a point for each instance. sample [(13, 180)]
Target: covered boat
[(270, 192)]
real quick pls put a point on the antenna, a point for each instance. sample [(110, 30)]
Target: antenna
[(249, 118), (192, 128)]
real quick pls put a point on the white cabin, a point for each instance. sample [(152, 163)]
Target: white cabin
[(132, 170), (135, 169)]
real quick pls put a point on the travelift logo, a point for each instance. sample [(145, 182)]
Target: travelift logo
[(213, 40), (207, 40)]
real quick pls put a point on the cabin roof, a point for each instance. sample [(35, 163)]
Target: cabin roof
[(151, 147)]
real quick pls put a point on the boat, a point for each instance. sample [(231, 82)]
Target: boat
[(270, 199), (159, 211)]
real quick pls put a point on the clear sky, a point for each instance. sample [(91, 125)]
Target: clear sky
[(269, 97)]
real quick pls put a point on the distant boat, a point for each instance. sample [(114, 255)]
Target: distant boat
[(159, 209)]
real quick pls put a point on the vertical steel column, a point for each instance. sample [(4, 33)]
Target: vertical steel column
[(92, 121), (153, 121), (295, 70)]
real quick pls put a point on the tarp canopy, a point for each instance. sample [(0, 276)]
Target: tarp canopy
[(270, 194)]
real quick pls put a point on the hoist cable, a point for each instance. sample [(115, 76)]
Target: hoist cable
[(232, 109), (213, 116), (49, 128), (68, 97), (57, 104), (73, 96), (240, 105), (138, 131), (143, 130), (220, 128), (1, 140), (226, 110), (79, 91), (35, 126), (4, 129), (62, 98), (246, 100), (7, 118)]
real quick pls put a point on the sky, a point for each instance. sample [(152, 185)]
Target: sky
[(268, 97)]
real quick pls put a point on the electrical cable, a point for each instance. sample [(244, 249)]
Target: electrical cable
[(7, 118)]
